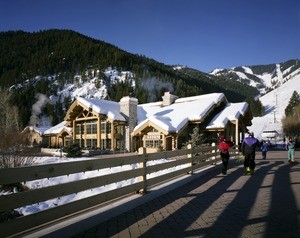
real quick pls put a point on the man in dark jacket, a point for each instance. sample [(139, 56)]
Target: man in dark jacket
[(249, 145)]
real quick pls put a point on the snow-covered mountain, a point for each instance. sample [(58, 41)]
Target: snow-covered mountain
[(94, 86), (275, 103), (276, 83), (263, 77)]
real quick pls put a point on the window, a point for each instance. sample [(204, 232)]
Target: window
[(79, 129), (91, 127), (105, 127), (119, 129), (91, 143), (153, 140), (79, 142), (105, 144), (108, 127)]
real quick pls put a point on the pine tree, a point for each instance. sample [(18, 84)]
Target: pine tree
[(196, 138), (256, 107), (294, 101)]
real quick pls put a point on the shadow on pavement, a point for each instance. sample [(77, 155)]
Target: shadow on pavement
[(265, 204)]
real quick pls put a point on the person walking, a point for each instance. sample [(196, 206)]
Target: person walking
[(264, 149), (224, 152), (290, 146), (249, 145)]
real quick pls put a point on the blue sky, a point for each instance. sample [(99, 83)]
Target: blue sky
[(202, 34)]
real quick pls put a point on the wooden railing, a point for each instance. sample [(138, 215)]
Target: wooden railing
[(192, 158)]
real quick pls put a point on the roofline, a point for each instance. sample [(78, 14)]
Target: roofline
[(148, 123)]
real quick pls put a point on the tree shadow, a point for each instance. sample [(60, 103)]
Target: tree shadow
[(269, 109)]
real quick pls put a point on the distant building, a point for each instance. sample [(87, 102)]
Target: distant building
[(269, 134), (59, 135), (166, 125), (35, 135)]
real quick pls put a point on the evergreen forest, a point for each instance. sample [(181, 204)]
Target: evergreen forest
[(65, 54)]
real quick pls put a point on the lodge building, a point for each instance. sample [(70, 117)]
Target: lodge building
[(164, 125)]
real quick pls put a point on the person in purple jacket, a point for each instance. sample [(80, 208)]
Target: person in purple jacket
[(248, 147)]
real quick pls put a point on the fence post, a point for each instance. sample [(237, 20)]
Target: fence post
[(142, 151), (189, 146), (213, 151)]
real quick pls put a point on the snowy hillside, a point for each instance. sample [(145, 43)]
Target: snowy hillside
[(276, 83), (275, 103), (264, 77), (95, 87)]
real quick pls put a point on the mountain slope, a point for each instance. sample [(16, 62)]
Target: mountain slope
[(25, 55), (275, 103), (220, 83), (264, 77), (66, 54), (276, 83), (58, 63)]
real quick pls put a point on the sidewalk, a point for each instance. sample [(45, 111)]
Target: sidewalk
[(265, 204)]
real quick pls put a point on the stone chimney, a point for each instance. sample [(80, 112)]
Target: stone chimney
[(168, 99), (128, 108)]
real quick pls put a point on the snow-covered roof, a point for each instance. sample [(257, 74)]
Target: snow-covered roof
[(40, 130), (231, 112), (109, 108), (57, 129), (172, 118)]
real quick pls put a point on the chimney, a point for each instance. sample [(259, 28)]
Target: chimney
[(128, 108), (168, 99)]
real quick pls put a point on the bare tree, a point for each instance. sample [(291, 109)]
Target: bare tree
[(291, 123), (14, 150), (8, 113)]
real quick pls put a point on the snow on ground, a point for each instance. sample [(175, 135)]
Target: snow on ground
[(69, 178), (275, 103), (80, 176)]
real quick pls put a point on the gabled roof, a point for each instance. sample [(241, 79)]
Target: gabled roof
[(109, 108), (174, 117), (58, 129), (231, 112), (40, 130)]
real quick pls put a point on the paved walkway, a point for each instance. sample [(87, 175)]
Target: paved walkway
[(266, 204)]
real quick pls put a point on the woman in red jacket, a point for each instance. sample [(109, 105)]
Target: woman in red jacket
[(224, 153)]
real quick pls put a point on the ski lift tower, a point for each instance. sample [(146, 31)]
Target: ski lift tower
[(276, 108)]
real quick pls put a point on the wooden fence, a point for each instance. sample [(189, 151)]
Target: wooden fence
[(193, 159)]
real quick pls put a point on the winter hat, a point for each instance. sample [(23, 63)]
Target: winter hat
[(222, 137)]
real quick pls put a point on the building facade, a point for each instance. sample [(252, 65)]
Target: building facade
[(164, 125)]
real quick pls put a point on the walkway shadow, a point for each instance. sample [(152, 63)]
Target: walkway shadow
[(231, 221), (283, 219), (182, 211)]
